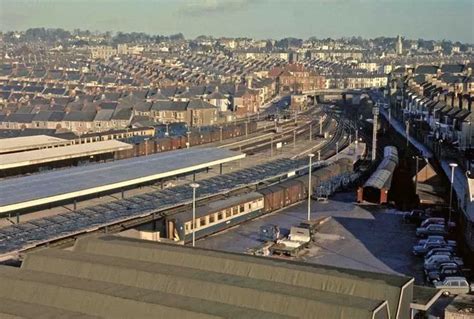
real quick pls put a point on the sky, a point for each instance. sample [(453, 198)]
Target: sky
[(261, 19)]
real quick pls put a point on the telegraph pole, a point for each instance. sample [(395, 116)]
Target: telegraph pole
[(375, 111)]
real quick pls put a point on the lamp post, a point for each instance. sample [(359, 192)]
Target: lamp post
[(294, 138), (453, 166), (320, 125), (167, 133), (194, 186), (310, 190), (407, 124), (188, 144), (416, 173), (146, 145)]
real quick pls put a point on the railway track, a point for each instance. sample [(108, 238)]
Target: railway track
[(284, 137)]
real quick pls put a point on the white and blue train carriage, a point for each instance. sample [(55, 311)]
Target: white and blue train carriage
[(215, 216)]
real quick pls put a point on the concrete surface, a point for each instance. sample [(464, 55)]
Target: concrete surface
[(361, 237)]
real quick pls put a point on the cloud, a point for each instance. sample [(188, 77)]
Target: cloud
[(203, 7)]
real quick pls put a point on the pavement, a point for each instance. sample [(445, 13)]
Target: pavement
[(359, 237)]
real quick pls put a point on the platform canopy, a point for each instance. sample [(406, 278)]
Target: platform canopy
[(49, 155), (39, 189), (26, 143)]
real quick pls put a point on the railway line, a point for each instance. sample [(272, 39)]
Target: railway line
[(288, 135)]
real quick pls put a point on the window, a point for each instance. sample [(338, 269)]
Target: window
[(235, 210), (228, 213), (212, 219), (202, 221), (220, 215), (242, 208), (186, 226)]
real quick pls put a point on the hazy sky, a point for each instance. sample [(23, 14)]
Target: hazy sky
[(429, 19)]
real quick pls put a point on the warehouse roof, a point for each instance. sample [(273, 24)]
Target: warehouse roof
[(25, 143), (48, 155), (347, 282), (136, 278), (39, 189)]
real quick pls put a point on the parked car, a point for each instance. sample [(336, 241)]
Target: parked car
[(434, 261), (439, 251), (454, 285), (436, 220), (416, 216), (420, 250), (444, 271), (436, 239), (432, 229)]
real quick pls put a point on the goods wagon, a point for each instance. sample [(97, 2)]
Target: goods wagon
[(378, 185)]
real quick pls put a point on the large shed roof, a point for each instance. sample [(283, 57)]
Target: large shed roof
[(344, 282), (39, 189), (115, 277)]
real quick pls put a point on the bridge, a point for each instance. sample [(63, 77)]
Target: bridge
[(335, 94)]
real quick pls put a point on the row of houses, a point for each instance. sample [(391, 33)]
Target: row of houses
[(196, 106), (441, 97)]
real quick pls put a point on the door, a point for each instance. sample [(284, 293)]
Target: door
[(171, 229)]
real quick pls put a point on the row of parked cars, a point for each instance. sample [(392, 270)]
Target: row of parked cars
[(442, 266)]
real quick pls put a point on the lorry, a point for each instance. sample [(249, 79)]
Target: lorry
[(298, 239)]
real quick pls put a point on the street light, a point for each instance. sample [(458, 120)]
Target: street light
[(453, 166), (146, 145), (194, 186), (310, 190), (416, 173), (188, 142)]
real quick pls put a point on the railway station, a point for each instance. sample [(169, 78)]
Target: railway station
[(39, 189), (21, 236)]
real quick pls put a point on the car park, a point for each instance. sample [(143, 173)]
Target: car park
[(432, 229), (453, 285)]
